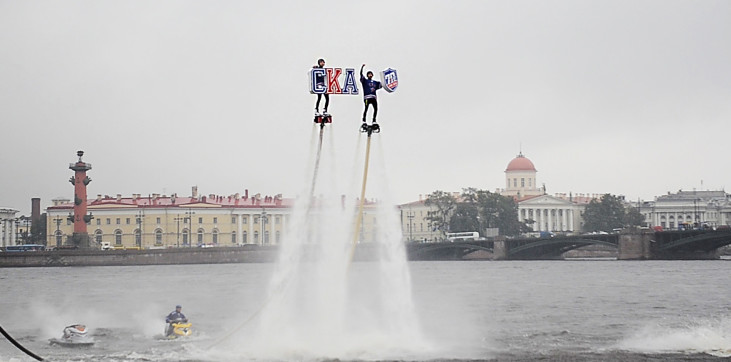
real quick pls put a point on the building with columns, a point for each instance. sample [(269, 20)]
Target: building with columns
[(543, 212), (8, 226), (162, 221), (687, 209), (155, 220)]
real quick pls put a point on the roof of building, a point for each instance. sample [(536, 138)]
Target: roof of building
[(520, 163), (162, 201)]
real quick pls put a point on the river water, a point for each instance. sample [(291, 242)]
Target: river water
[(506, 310)]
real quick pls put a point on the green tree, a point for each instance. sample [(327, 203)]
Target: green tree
[(604, 214), (494, 211), (464, 218), (633, 217), (445, 204)]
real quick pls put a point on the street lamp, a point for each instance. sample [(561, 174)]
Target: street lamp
[(177, 221), (189, 216), (138, 240), (17, 230), (58, 227), (263, 223)]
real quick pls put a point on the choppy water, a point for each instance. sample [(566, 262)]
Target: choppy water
[(508, 310)]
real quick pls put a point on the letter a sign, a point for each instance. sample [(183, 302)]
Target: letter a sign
[(389, 78)]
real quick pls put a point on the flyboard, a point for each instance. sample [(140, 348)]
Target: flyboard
[(322, 119), (389, 79)]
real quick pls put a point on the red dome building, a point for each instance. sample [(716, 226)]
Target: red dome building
[(520, 178)]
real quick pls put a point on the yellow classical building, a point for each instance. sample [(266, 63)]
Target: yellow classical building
[(160, 221)]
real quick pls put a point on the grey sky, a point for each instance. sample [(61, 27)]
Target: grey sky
[(621, 97)]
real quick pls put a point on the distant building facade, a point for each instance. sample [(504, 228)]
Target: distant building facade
[(687, 209), (171, 221), (542, 212), (161, 221), (8, 227)]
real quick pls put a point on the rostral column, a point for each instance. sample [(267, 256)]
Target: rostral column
[(80, 237)]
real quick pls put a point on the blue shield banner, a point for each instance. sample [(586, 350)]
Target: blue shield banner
[(389, 79)]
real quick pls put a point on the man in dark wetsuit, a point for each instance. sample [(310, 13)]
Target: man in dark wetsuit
[(370, 87), (320, 80), (175, 316)]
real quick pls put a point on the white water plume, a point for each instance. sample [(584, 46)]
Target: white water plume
[(706, 336), (321, 304)]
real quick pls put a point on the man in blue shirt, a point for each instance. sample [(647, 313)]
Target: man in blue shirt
[(176, 315), (370, 87), (320, 80)]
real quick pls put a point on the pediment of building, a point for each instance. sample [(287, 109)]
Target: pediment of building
[(545, 200)]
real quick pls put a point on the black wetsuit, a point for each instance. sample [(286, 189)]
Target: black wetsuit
[(320, 80)]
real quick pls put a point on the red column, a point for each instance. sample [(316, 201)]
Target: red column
[(80, 181)]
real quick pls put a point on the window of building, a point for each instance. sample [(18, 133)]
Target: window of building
[(200, 236), (233, 219), (244, 220), (266, 237), (244, 237), (214, 237), (97, 236), (185, 236), (522, 182), (109, 221), (119, 221), (157, 220), (215, 220), (515, 182), (530, 182), (128, 221), (118, 237), (233, 237), (98, 221), (158, 237), (256, 237), (256, 219), (200, 220), (276, 219), (277, 235)]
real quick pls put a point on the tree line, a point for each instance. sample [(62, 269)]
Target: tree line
[(479, 210)]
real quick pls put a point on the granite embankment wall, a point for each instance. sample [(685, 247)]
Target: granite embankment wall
[(222, 255)]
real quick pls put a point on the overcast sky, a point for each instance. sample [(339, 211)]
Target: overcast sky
[(625, 97)]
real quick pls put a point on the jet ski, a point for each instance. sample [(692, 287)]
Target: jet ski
[(75, 335), (178, 328)]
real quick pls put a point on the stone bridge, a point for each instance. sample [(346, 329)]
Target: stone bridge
[(638, 245)]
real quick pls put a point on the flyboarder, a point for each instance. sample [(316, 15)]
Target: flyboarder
[(370, 87), (320, 81)]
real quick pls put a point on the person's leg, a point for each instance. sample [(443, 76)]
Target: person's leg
[(317, 105), (327, 101), (375, 109), (365, 109)]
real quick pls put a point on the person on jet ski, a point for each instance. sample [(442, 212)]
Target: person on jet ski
[(176, 315)]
